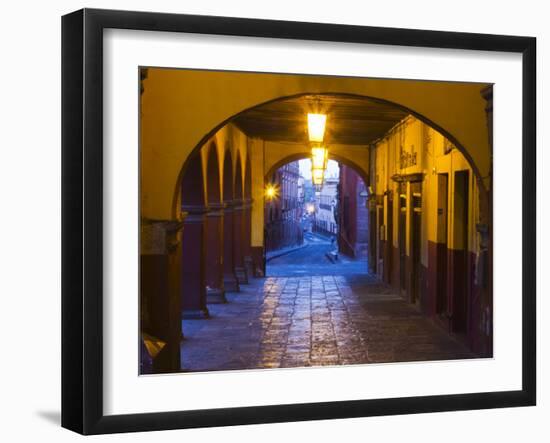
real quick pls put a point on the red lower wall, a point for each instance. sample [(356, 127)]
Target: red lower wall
[(449, 294)]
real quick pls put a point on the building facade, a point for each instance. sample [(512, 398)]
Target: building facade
[(284, 211), (352, 214), (326, 202), (427, 238), (202, 206)]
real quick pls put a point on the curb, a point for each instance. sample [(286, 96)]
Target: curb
[(286, 252), (332, 256)]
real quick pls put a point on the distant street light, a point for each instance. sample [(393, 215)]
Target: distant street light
[(319, 160), (317, 177), (319, 157), (271, 191)]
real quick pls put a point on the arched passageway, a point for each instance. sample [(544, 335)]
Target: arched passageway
[(421, 186), (210, 103), (315, 230)]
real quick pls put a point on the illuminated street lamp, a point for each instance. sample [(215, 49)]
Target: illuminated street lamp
[(319, 154), (316, 127), (319, 157), (317, 177), (271, 192), (319, 160)]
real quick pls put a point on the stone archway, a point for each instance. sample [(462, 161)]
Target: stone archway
[(192, 109), (204, 101), (345, 160)]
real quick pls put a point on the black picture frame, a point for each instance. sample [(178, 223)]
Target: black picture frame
[(82, 218)]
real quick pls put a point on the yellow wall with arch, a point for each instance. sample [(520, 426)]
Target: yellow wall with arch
[(416, 138), (181, 109)]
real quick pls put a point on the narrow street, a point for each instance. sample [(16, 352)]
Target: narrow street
[(311, 259), (314, 228), (337, 314)]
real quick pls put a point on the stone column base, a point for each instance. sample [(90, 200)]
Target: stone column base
[(242, 275), (258, 261), (249, 265), (160, 307), (215, 295), (231, 283), (195, 314)]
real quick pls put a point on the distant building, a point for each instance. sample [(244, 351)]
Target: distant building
[(283, 213), (325, 207), (309, 191), (301, 192), (353, 215)]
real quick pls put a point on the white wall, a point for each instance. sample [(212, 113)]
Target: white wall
[(30, 234)]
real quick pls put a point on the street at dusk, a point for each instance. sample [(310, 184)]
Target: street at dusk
[(312, 228), (312, 258), (313, 321)]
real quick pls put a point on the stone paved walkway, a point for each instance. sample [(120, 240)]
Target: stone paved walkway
[(313, 321)]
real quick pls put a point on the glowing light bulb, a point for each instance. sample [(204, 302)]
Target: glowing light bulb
[(271, 191), (317, 176), (319, 157), (316, 126)]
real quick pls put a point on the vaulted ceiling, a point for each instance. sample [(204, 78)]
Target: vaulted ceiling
[(351, 120)]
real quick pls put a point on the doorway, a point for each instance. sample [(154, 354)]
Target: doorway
[(402, 237), (441, 243), (460, 251), (416, 237), (389, 240), (380, 241)]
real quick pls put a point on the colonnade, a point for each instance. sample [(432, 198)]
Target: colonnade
[(189, 264)]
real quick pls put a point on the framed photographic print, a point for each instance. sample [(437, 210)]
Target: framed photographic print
[(269, 221)]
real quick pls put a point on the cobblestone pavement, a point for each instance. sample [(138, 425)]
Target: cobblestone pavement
[(313, 321)]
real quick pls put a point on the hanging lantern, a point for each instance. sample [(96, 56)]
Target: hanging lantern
[(319, 157), (317, 176), (316, 127)]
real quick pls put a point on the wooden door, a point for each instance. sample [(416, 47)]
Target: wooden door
[(460, 262), (416, 238), (441, 243), (389, 242), (402, 237)]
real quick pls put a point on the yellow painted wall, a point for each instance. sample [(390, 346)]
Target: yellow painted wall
[(180, 107), (256, 147), (428, 144), (229, 139), (267, 155)]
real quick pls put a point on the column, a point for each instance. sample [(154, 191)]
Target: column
[(160, 303), (483, 281), (247, 226), (230, 282), (215, 292), (238, 242), (193, 282)]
